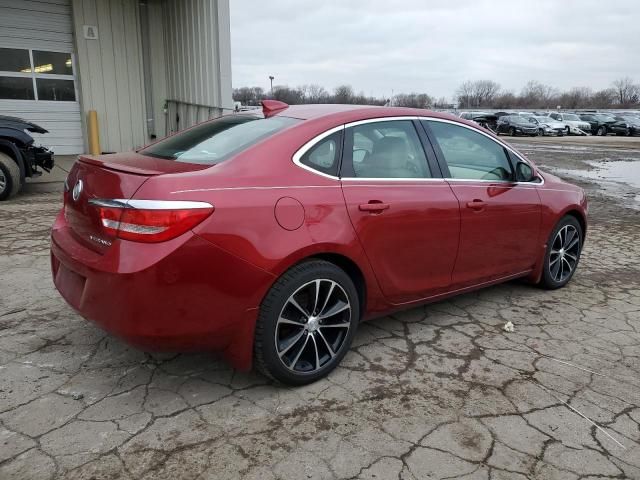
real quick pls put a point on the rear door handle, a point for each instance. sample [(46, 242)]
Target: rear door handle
[(476, 204), (374, 206)]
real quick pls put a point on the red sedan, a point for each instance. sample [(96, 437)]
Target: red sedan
[(270, 237)]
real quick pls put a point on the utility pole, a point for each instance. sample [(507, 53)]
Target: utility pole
[(271, 77)]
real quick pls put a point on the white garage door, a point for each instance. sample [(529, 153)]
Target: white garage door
[(38, 70)]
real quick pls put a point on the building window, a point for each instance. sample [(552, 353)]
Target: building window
[(36, 75)]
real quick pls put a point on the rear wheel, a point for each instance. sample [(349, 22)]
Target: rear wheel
[(512, 132), (563, 253), (9, 177), (306, 323)]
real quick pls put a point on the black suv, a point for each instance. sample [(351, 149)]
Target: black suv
[(19, 156), (602, 124)]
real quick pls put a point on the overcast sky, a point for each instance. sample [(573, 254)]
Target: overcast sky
[(432, 46)]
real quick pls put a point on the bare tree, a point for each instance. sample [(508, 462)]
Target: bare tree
[(538, 95), (477, 93), (627, 93), (343, 94), (412, 100), (248, 95)]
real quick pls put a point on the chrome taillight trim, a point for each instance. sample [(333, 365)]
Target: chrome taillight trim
[(149, 204)]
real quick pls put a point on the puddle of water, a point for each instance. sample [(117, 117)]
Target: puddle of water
[(617, 171), (615, 178)]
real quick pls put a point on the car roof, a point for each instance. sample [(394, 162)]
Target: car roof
[(351, 113)]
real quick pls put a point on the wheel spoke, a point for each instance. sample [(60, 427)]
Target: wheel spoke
[(554, 270), (315, 349), (573, 243), (336, 325), (315, 302), (293, 302), (292, 365), (326, 300), (568, 237), (336, 309), (286, 321), (568, 265), (297, 337), (572, 257), (331, 352), (554, 260)]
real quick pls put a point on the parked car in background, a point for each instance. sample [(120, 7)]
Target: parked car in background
[(484, 119), (575, 126), (516, 125), (633, 123), (271, 237), (548, 126), (20, 157), (602, 124)]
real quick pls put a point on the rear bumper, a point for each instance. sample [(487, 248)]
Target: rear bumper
[(183, 295)]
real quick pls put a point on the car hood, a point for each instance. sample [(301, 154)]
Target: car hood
[(19, 124)]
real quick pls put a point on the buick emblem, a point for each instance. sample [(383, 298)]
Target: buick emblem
[(77, 190)]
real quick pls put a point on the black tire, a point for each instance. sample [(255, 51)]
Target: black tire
[(270, 358), (602, 131), (550, 278), (9, 177), (568, 130), (512, 132), (540, 132)]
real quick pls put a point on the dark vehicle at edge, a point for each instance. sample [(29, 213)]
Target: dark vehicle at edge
[(516, 125), (19, 156), (484, 119), (633, 123), (602, 124)]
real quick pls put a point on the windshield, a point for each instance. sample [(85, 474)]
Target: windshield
[(216, 141), (517, 119), (571, 117), (604, 118)]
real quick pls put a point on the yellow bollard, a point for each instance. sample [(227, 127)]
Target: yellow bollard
[(94, 136)]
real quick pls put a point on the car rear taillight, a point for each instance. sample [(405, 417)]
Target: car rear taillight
[(149, 220)]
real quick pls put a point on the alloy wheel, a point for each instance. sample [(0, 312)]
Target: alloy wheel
[(564, 253), (3, 181), (312, 326)]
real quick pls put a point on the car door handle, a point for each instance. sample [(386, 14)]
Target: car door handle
[(374, 206), (476, 204)]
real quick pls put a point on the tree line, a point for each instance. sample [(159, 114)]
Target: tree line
[(623, 93)]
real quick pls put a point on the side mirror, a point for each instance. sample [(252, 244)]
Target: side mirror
[(524, 172)]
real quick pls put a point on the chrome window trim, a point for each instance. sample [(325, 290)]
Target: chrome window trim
[(311, 143), (149, 204), (297, 157)]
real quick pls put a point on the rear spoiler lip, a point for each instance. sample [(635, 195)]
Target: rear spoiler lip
[(176, 167)]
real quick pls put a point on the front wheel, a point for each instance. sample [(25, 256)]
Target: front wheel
[(602, 131), (563, 253), (9, 177), (512, 132), (306, 323)]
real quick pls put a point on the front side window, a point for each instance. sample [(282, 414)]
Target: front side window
[(385, 149), (218, 140), (469, 154)]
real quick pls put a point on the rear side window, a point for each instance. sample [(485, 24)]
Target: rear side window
[(218, 140), (471, 155), (384, 149), (324, 155)]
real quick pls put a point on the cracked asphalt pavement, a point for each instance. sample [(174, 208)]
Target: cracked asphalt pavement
[(439, 391)]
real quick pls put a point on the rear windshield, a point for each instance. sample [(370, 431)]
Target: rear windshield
[(218, 140)]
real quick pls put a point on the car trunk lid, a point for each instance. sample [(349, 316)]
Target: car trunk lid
[(108, 177)]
